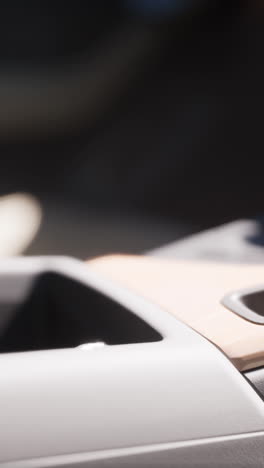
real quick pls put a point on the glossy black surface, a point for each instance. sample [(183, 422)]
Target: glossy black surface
[(60, 312)]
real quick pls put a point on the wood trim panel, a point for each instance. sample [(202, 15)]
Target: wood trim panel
[(192, 291)]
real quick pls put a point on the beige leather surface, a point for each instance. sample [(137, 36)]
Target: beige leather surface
[(192, 292)]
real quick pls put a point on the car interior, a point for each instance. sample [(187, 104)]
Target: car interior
[(131, 234), (132, 124)]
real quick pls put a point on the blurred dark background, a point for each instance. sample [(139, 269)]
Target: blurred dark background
[(131, 123)]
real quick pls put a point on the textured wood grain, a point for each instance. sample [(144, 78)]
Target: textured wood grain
[(192, 292)]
